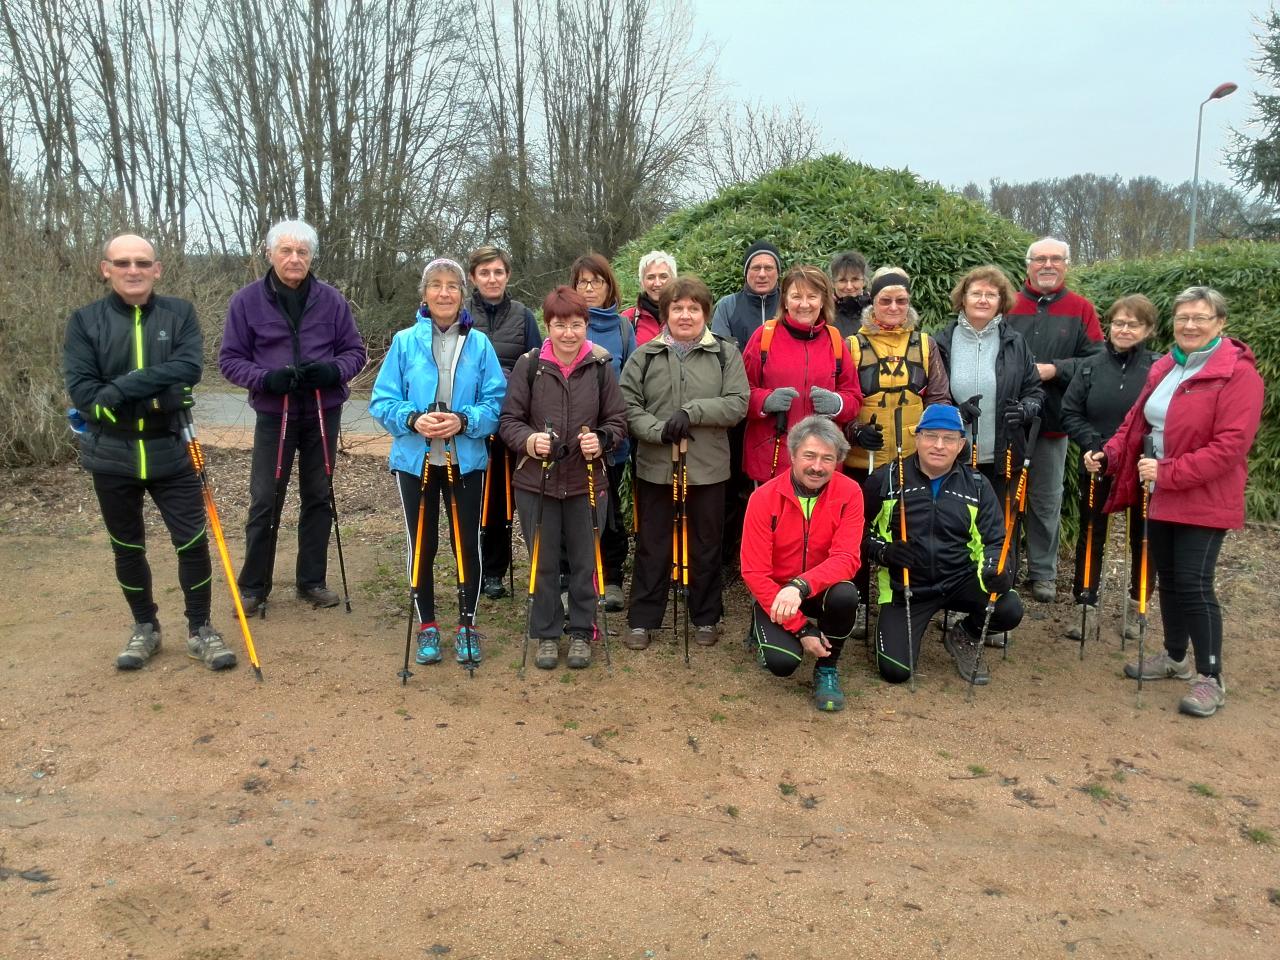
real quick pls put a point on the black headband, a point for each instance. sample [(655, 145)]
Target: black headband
[(889, 280)]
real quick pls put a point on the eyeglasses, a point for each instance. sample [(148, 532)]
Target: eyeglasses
[(124, 263), (893, 301), (590, 284), (1127, 324), (557, 327), (1193, 321), (933, 436), (982, 295), (438, 286), (1056, 260)]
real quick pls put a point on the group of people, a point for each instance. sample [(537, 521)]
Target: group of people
[(805, 429)]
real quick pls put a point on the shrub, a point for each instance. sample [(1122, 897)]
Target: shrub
[(820, 207)]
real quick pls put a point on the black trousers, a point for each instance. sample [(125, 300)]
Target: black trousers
[(1186, 559), (895, 658), (181, 506), (469, 488), (651, 572), (498, 511), (736, 493), (614, 536), (266, 499), (780, 651), (565, 532), (1100, 524)]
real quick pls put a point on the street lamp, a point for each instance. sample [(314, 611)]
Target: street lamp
[(1220, 91)]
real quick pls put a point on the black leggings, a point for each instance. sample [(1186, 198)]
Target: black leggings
[(181, 506), (1185, 559), (1100, 524), (651, 573), (780, 650), (499, 509), (470, 490)]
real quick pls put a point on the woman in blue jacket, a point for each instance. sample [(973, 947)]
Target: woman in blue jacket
[(438, 394)]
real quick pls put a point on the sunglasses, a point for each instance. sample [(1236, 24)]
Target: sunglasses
[(124, 263)]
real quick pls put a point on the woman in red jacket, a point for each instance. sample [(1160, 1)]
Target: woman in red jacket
[(1201, 406), (797, 365)]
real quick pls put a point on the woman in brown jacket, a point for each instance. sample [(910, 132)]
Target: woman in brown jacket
[(553, 393)]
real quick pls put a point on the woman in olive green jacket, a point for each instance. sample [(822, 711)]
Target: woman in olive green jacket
[(685, 383)]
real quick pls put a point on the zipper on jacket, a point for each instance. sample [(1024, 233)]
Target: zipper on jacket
[(137, 360)]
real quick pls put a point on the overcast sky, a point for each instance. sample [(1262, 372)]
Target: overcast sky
[(961, 91)]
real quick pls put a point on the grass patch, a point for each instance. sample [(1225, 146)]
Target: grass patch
[(978, 770), (718, 718), (787, 789), (571, 724), (157, 707), (1203, 790), (944, 754), (1258, 835), (732, 811), (1097, 791), (568, 678)]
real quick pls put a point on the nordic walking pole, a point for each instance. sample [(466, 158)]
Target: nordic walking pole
[(1124, 595), (196, 452), (866, 601), (779, 431), (469, 663), (277, 508), (1010, 534), (534, 549), (333, 503), (675, 543), (595, 536), (1085, 582), (415, 570), (902, 526), (511, 562), (1148, 452), (684, 539)]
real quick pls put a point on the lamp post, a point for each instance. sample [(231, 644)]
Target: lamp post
[(1220, 91)]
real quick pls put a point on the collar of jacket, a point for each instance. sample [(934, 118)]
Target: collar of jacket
[(464, 316), (1044, 299), (761, 299), (604, 318), (804, 333), (117, 303), (491, 310), (269, 281)]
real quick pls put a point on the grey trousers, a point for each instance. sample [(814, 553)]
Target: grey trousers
[(1044, 507), (566, 522)]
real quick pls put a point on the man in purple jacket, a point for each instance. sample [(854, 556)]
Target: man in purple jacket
[(292, 342)]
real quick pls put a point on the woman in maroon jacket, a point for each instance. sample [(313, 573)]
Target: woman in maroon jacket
[(563, 409), (1201, 407)]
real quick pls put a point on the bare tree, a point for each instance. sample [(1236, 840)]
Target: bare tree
[(756, 138)]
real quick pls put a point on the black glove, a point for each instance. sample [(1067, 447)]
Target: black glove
[(109, 397), (282, 380), (868, 436), (175, 398), (1014, 415), (998, 583), (900, 553), (319, 374), (676, 428), (969, 410)]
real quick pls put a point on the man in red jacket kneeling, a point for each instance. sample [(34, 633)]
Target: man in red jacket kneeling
[(800, 545)]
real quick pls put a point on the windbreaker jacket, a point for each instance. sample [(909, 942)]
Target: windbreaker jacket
[(739, 315), (509, 325), (646, 322), (1102, 391), (779, 543), (1212, 420), (800, 359), (259, 338), (1060, 328), (407, 384), (588, 398), (959, 532), (710, 385), (607, 328), (142, 351)]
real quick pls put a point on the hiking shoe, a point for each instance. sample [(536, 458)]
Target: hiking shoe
[(613, 599), (466, 645), (206, 644), (142, 643), (320, 596), (996, 640), (1044, 591), (579, 655), (638, 638), (251, 604), (1206, 696), (827, 695), (1161, 667), (548, 655), (965, 651), (493, 588), (859, 631), (706, 635), (428, 645), (1131, 631)]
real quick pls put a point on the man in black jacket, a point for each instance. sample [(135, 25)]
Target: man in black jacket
[(951, 550), (130, 360)]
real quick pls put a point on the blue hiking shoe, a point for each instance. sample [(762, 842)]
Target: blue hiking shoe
[(428, 645), (827, 694), (466, 645)]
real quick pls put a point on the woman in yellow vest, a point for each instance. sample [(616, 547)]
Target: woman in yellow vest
[(898, 367)]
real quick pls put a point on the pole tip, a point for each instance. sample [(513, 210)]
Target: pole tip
[(257, 673)]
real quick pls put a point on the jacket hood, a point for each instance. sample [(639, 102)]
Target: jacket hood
[(603, 319), (464, 316)]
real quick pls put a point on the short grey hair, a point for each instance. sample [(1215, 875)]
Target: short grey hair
[(1066, 247), (442, 265), (656, 256), (298, 230), (1208, 295), (820, 428)]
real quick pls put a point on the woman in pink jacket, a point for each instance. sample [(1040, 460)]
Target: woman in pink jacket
[(1201, 406)]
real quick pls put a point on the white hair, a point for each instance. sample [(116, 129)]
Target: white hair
[(298, 230), (1066, 247), (656, 256)]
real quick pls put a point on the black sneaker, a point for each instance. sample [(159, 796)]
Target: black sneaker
[(493, 588), (320, 596), (965, 651), (251, 604)]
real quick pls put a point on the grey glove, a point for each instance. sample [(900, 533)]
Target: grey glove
[(780, 400), (825, 402)]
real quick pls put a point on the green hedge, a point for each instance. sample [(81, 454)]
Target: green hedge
[(1248, 276), (821, 207)]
